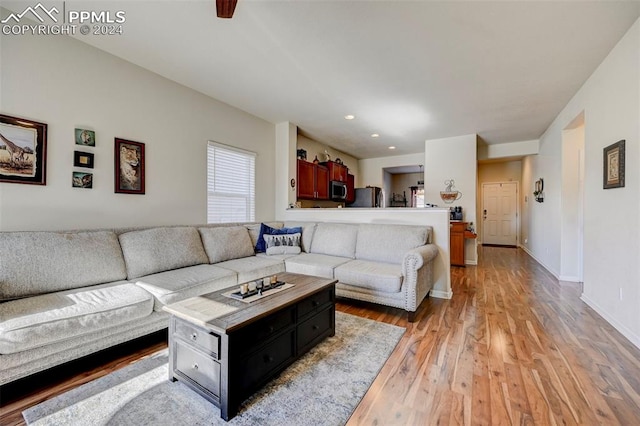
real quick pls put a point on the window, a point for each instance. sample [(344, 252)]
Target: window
[(231, 188)]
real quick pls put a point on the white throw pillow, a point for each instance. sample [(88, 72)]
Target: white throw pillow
[(282, 243)]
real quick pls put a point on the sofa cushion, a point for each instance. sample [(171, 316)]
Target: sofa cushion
[(283, 243), (388, 243), (261, 244), (225, 243), (179, 284), (54, 317), (335, 239), (308, 228), (161, 249), (43, 262), (254, 267), (320, 265), (383, 277)]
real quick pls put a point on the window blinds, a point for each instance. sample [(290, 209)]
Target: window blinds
[(230, 184)]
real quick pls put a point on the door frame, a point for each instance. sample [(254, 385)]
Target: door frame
[(518, 215)]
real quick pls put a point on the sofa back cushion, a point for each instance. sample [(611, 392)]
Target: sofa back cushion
[(42, 262), (335, 239), (226, 243), (389, 243), (161, 249)]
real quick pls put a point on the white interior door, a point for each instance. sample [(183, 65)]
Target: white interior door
[(500, 213)]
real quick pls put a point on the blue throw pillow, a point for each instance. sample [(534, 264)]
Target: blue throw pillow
[(261, 245)]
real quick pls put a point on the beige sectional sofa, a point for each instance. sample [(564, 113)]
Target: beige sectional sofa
[(64, 295)]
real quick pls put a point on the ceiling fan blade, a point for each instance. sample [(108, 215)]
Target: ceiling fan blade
[(226, 8)]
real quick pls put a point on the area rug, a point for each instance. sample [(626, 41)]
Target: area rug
[(321, 388)]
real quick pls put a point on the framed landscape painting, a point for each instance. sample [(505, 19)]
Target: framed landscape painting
[(23, 151), (613, 172), (129, 167)]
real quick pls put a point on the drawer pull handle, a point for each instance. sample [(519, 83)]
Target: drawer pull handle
[(271, 329), (314, 328), (194, 337), (315, 303), (195, 366), (268, 359)]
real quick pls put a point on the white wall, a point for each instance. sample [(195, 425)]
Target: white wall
[(453, 158), (610, 99), (371, 168), (506, 150), (66, 84)]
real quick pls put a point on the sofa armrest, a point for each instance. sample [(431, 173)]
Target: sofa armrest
[(415, 258)]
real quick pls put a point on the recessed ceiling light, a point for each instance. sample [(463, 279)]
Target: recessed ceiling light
[(349, 117), (392, 147), (375, 135)]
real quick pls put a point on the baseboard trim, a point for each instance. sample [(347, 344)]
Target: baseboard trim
[(441, 294), (526, 250), (569, 278), (471, 262), (633, 338)]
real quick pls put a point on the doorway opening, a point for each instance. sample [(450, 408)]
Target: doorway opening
[(500, 214), (572, 201)]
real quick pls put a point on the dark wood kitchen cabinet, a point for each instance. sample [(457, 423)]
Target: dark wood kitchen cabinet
[(351, 189), (313, 181), (337, 172)]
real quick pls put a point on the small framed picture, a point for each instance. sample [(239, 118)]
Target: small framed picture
[(83, 159), (85, 137), (613, 167), (23, 150), (129, 167), (82, 180)]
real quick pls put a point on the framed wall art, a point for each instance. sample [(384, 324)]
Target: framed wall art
[(83, 159), (129, 167), (613, 167), (82, 180), (23, 151), (85, 137)]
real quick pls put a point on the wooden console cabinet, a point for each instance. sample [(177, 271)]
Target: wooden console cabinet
[(458, 234)]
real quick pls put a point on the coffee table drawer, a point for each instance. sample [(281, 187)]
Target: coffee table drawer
[(198, 337), (316, 326), (256, 368), (315, 301), (254, 335), (198, 367)]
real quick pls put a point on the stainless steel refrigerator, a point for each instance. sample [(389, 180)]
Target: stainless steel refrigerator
[(367, 197)]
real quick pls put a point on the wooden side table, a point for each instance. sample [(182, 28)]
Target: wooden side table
[(457, 235)]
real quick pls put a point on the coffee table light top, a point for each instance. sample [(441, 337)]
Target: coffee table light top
[(222, 314)]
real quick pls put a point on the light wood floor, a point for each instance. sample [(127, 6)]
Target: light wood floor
[(513, 346)]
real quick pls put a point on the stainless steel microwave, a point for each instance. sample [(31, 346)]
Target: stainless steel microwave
[(337, 190)]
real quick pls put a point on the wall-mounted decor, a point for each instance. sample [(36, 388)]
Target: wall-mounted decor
[(82, 180), (538, 191), (83, 159), (129, 167), (23, 151), (450, 194), (613, 171), (302, 154), (85, 137)]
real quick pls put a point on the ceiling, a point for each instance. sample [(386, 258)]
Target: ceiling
[(408, 70)]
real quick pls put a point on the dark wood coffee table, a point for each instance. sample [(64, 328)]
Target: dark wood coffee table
[(226, 349)]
